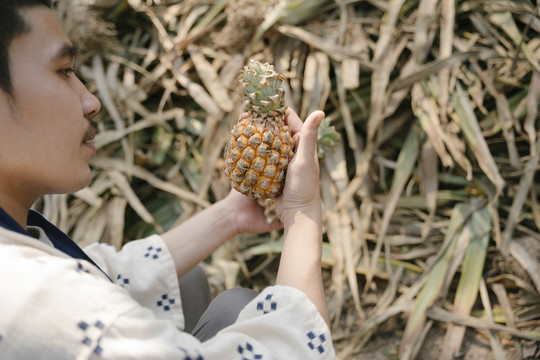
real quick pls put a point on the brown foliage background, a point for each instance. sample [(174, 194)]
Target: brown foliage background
[(430, 194)]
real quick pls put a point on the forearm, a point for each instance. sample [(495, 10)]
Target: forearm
[(300, 264), (195, 239)]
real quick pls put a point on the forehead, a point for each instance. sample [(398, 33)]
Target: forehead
[(45, 38)]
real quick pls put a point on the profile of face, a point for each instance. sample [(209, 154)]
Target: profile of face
[(44, 128)]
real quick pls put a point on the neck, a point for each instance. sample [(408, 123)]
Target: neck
[(16, 208)]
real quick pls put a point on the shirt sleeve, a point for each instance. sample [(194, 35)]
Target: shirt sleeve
[(143, 268), (63, 308)]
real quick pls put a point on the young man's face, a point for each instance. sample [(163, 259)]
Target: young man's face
[(44, 130)]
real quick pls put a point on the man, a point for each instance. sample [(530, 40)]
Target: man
[(62, 302)]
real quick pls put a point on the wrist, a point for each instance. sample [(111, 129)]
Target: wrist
[(306, 217), (229, 213), (310, 212)]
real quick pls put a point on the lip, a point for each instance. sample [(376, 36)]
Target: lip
[(90, 146), (90, 135)]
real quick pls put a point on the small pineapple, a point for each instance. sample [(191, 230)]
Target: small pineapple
[(260, 145)]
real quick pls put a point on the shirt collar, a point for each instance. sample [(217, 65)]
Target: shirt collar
[(58, 238), (9, 223)]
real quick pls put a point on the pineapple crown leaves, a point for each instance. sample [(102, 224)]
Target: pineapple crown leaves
[(261, 90), (327, 138)]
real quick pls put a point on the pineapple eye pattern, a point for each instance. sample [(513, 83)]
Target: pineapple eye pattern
[(260, 145)]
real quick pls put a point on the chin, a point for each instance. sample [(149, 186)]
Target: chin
[(76, 185), (83, 184)]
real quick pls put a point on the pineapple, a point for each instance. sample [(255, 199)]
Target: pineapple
[(260, 145)]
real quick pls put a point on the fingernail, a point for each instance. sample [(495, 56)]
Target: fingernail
[(320, 117)]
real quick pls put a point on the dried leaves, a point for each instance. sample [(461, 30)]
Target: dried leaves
[(433, 179)]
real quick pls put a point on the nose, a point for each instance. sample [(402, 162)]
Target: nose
[(91, 104)]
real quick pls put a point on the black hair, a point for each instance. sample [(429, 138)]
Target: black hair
[(12, 24)]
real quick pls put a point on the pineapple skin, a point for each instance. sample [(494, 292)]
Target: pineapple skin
[(260, 145)]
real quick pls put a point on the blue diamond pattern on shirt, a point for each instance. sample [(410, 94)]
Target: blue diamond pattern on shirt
[(120, 280), (165, 302), (81, 268), (152, 252), (92, 335), (267, 305), (248, 352), (316, 341), (191, 354)]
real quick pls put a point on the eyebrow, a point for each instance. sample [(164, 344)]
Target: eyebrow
[(66, 51)]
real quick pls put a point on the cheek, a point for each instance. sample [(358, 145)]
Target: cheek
[(49, 116), (52, 114), (48, 92)]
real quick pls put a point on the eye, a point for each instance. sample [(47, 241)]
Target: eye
[(67, 72)]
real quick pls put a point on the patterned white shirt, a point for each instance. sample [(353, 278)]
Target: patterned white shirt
[(57, 307)]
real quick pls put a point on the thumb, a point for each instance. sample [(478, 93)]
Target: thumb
[(309, 133)]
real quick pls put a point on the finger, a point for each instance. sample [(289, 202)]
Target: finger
[(276, 224), (293, 120), (310, 133)]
